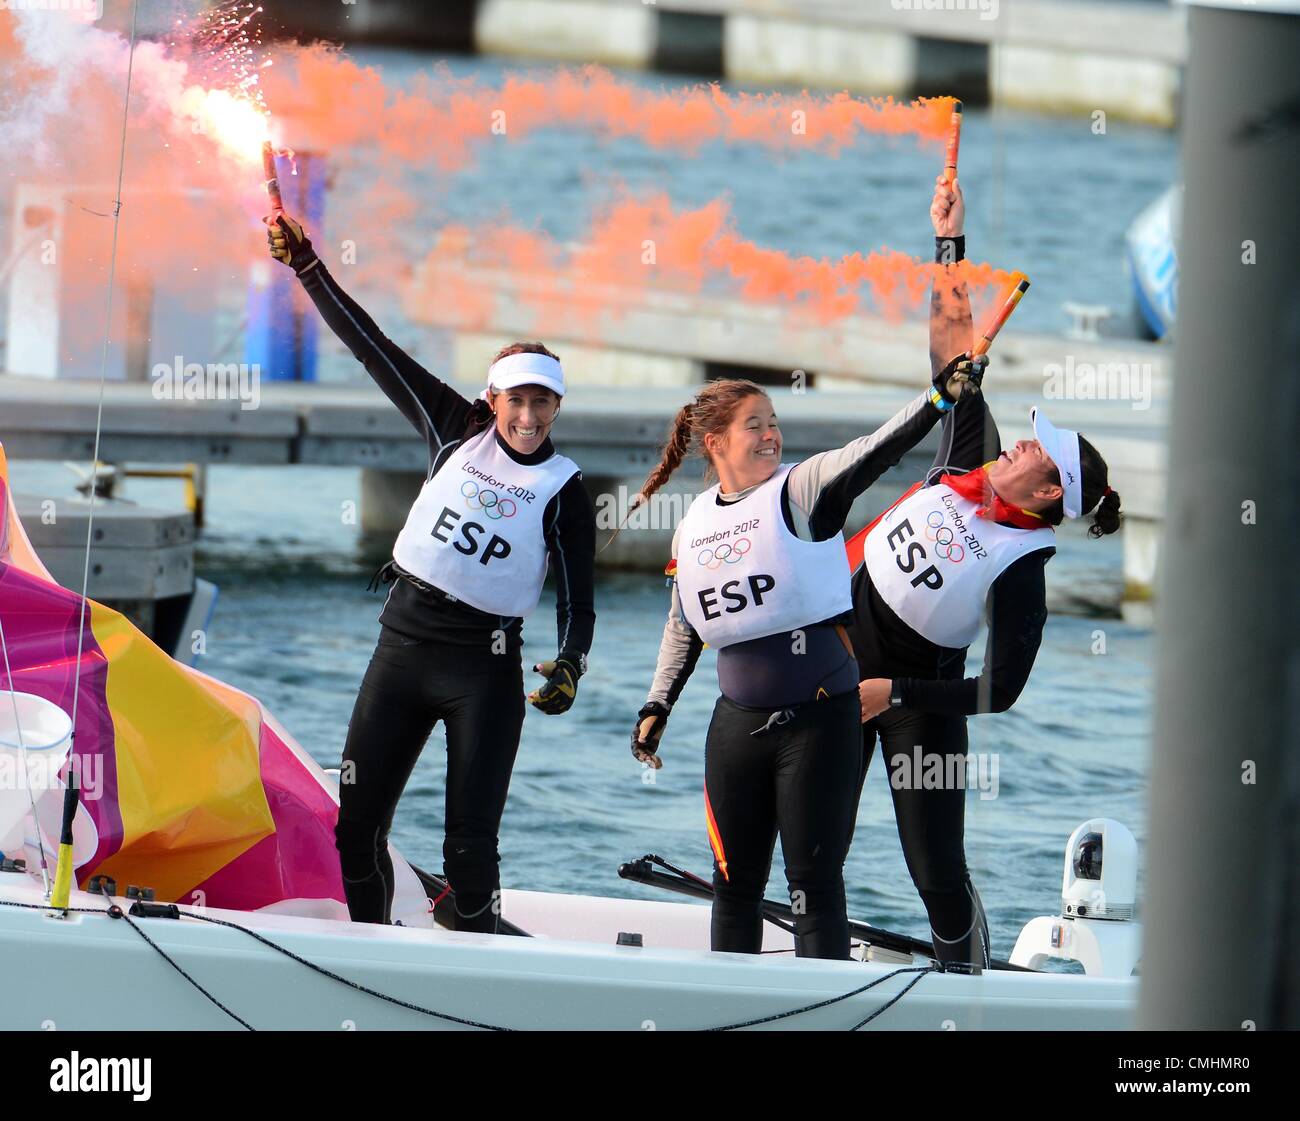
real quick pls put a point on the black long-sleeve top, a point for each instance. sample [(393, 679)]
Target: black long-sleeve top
[(444, 418), (931, 677)]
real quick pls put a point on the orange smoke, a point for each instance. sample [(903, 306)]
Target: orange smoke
[(641, 245), (441, 119), (191, 199)]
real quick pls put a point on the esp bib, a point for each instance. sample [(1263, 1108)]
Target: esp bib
[(933, 561), (475, 529), (741, 573)]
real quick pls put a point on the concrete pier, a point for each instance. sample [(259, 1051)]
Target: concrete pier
[(648, 335), (613, 432), (568, 31), (1068, 55), (139, 552)]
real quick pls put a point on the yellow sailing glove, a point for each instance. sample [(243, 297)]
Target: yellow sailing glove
[(556, 694)]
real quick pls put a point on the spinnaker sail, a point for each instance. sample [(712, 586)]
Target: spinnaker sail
[(187, 785)]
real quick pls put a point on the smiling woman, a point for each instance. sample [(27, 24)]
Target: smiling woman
[(971, 539), (761, 573), (498, 506), (524, 411)]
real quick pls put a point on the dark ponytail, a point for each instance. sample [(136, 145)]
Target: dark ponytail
[(1097, 492), (1106, 517)]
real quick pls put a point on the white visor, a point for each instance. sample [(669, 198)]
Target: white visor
[(526, 369), (1063, 447)]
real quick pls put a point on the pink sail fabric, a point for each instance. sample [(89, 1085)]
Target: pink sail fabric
[(186, 784)]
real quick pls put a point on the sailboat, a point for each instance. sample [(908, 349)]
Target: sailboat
[(207, 892)]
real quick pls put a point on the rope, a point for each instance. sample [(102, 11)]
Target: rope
[(103, 370), (921, 969), (116, 912), (344, 980), (895, 999)]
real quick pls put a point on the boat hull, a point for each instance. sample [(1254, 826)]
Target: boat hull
[(93, 972)]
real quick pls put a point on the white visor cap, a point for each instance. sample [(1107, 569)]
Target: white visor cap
[(1063, 447), (526, 369)]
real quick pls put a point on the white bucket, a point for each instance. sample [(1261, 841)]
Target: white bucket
[(34, 743)]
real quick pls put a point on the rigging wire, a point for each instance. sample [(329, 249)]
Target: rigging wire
[(103, 372)]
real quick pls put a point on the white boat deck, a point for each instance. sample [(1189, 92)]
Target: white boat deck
[(96, 973)]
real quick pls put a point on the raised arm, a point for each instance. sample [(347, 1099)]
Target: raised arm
[(434, 409), (968, 437), (951, 330), (820, 490)]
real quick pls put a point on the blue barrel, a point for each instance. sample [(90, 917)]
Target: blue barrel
[(281, 336)]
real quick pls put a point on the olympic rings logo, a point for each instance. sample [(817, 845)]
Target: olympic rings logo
[(943, 539), (491, 503), (723, 554)]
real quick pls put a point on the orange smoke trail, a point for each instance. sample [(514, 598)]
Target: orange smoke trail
[(191, 202), (641, 245), (440, 118)]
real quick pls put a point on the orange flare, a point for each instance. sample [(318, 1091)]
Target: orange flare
[(1018, 287), (954, 144)]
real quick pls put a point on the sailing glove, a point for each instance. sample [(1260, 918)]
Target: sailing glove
[(650, 724), (556, 693), (289, 244), (963, 375)]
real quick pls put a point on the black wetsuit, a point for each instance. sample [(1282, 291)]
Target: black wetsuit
[(937, 697), (441, 659), (782, 753)]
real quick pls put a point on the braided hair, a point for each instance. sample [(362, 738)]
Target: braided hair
[(711, 412)]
